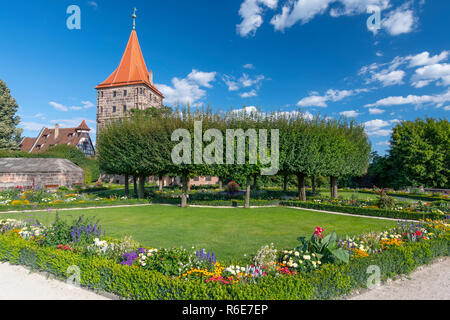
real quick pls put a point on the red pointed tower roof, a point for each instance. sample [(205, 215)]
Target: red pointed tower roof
[(83, 126), (132, 68)]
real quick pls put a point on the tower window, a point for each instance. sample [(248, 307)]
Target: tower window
[(114, 93), (101, 109), (101, 94), (124, 93), (114, 109), (141, 91), (124, 108)]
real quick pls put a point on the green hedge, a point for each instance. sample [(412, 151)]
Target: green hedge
[(331, 281), (362, 211), (215, 203)]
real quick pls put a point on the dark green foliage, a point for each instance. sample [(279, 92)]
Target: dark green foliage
[(419, 156), (9, 133), (420, 153)]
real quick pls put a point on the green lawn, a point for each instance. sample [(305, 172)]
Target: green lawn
[(231, 233)]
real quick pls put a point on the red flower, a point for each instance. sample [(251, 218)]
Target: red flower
[(418, 233), (318, 232)]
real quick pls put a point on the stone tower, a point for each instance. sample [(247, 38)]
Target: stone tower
[(130, 86)]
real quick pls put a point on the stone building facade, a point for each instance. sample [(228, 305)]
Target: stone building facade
[(39, 173)]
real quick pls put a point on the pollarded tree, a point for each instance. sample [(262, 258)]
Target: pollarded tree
[(138, 146), (9, 133)]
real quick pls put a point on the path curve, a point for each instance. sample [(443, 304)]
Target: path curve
[(431, 282), (17, 283)]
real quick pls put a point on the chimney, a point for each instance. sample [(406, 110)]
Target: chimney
[(56, 131)]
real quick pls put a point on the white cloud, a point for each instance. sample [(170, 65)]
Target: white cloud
[(304, 11), (431, 73), (376, 111), (58, 106), (61, 107), (251, 13), (428, 70), (350, 113), (384, 143), (93, 4), (447, 108), (246, 81), (412, 99), (231, 83), (249, 94), (204, 79), (248, 110), (399, 21), (316, 100), (248, 66), (187, 90), (390, 78), (378, 127), (424, 59)]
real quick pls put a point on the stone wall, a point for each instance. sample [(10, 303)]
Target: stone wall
[(49, 180)]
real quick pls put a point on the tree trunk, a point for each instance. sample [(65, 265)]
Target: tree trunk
[(247, 193), (220, 183), (127, 186), (313, 185), (301, 187), (184, 187), (188, 184), (161, 183), (135, 187), (141, 186), (333, 187), (255, 182), (285, 183)]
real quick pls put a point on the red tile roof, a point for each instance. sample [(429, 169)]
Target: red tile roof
[(52, 137), (132, 68), (26, 144), (83, 126)]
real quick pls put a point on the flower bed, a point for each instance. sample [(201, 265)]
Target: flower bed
[(321, 267), (405, 194), (358, 208), (21, 199)]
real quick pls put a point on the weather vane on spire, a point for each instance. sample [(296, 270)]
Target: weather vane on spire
[(134, 19)]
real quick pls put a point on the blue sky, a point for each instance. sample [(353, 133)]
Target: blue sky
[(316, 55)]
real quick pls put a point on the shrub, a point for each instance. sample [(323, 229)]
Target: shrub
[(232, 187)]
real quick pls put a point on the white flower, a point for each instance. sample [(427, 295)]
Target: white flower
[(306, 257)]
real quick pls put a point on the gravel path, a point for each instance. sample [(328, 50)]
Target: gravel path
[(17, 283), (430, 282)]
